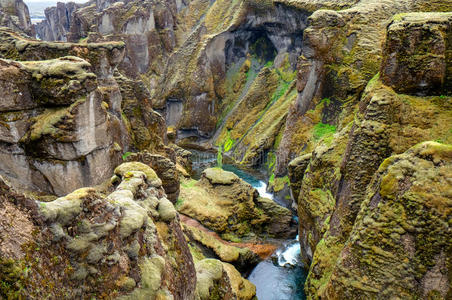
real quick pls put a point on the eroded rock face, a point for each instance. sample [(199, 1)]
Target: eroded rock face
[(126, 244), (57, 23), (417, 54), (14, 14), (42, 143), (401, 238), (62, 115), (335, 187), (227, 205), (166, 169), (220, 280)]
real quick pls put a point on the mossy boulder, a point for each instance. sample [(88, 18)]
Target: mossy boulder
[(217, 280), (219, 176), (228, 205), (60, 81), (124, 170), (207, 242)]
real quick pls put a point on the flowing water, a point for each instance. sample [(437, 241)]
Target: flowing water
[(280, 277)]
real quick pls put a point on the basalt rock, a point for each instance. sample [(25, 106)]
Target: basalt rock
[(341, 171), (61, 128), (166, 169), (57, 23), (401, 238)]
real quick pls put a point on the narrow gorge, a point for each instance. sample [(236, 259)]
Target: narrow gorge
[(226, 149)]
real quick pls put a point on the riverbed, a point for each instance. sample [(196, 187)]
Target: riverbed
[(281, 276)]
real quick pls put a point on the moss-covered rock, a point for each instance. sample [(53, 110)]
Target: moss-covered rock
[(232, 206), (417, 54), (400, 241), (61, 81), (217, 280), (87, 243)]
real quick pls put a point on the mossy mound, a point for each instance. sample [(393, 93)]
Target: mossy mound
[(233, 207)]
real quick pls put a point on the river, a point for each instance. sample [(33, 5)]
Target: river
[(280, 277)]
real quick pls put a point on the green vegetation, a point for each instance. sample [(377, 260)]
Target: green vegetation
[(179, 203), (189, 184), (269, 64), (229, 143), (321, 130), (220, 157), (125, 155)]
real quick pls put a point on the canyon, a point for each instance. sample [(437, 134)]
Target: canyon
[(192, 149)]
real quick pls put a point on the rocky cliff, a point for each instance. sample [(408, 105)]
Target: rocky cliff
[(397, 109), (14, 14)]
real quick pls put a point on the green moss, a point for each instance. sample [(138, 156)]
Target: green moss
[(280, 182), (125, 155), (321, 130), (189, 183), (220, 157), (271, 180), (12, 276), (179, 203)]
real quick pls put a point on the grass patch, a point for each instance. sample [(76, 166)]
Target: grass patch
[(321, 130)]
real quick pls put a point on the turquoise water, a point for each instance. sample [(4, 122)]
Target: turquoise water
[(280, 277)]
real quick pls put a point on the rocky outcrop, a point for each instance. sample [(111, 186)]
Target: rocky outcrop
[(125, 245), (401, 238), (224, 203), (57, 23), (14, 14), (217, 280), (166, 169), (423, 66), (340, 173), (84, 139), (56, 126)]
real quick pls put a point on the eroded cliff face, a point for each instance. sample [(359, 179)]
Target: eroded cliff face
[(338, 176), (58, 118), (14, 14)]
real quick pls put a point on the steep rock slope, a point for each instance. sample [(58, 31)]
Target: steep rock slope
[(333, 185), (127, 244), (401, 237), (14, 14), (84, 139)]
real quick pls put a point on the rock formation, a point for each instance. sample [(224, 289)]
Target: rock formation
[(14, 14), (224, 203), (334, 186), (119, 245)]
